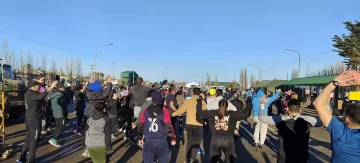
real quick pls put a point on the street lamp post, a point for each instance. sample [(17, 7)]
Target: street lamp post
[(259, 70), (134, 69), (164, 71), (295, 52), (95, 58)]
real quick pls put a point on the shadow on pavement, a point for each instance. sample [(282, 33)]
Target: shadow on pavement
[(129, 153)]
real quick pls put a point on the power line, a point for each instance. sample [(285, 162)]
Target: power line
[(297, 59), (44, 44)]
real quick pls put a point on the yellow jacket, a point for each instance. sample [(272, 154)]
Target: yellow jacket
[(189, 106)]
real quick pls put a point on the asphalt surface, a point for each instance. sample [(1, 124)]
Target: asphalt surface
[(126, 152)]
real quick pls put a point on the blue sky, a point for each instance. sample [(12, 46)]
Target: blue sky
[(191, 36)]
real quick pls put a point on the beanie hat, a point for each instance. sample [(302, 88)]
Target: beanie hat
[(156, 97), (95, 87)]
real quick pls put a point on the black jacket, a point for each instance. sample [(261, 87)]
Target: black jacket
[(114, 107), (139, 93), (227, 125), (97, 99), (79, 101), (33, 103)]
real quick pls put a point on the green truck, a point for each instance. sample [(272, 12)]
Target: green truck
[(14, 93)]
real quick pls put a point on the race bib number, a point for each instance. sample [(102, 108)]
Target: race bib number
[(153, 126)]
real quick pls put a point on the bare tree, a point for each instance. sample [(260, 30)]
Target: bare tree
[(71, 68), (78, 70), (252, 80), (216, 80), (37, 64), (15, 62), (208, 80), (294, 73), (5, 52), (21, 64), (246, 78), (53, 68), (44, 64), (241, 80), (61, 72), (30, 61)]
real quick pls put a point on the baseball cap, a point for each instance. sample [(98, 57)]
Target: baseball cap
[(32, 83)]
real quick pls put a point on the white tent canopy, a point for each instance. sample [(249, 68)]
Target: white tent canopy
[(192, 84)]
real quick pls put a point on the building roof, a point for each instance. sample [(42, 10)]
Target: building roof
[(275, 83), (310, 80)]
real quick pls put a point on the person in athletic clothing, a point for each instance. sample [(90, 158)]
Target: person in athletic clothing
[(345, 137), (260, 131), (222, 123), (155, 126), (294, 132)]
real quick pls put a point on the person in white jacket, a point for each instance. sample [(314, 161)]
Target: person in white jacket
[(214, 104)]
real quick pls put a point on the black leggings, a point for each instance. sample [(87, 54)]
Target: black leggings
[(60, 125), (80, 116), (223, 143)]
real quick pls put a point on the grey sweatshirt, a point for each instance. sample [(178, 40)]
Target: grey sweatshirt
[(98, 133)]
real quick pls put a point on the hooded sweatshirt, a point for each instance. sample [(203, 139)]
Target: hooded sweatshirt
[(96, 97), (155, 125), (98, 132), (256, 104), (58, 104)]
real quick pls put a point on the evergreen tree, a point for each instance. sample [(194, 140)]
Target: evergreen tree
[(348, 46)]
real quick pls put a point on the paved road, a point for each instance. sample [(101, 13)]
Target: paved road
[(126, 152)]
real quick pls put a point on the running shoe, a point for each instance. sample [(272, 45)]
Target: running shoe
[(139, 145), (120, 130), (86, 154), (49, 130), (125, 138), (255, 144), (43, 131), (77, 132), (113, 136), (53, 142), (260, 145), (200, 151)]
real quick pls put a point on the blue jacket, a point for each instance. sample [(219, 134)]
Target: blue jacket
[(250, 93), (256, 102)]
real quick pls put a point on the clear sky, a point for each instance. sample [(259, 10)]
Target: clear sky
[(191, 36)]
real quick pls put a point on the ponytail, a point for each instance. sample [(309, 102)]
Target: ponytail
[(223, 104)]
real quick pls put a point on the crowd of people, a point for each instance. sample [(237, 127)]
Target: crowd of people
[(155, 117)]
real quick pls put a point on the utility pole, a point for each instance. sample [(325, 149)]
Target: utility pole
[(96, 53), (299, 57), (287, 76), (92, 71)]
